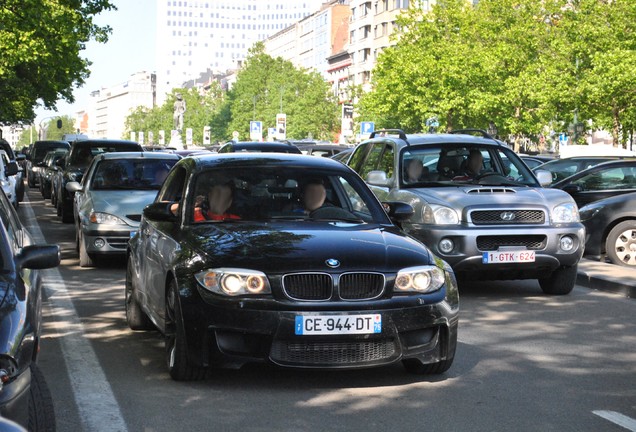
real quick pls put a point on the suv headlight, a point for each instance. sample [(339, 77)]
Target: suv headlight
[(565, 213), (439, 215), (424, 279), (105, 218), (233, 281)]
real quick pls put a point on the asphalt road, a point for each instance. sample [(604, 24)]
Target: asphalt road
[(525, 362)]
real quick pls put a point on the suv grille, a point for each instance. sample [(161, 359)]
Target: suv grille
[(332, 353), (507, 217), (532, 242), (319, 286)]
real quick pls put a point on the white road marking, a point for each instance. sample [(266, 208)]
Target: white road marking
[(96, 403), (618, 419)]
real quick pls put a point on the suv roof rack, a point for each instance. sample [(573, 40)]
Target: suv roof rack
[(400, 132), (472, 131)]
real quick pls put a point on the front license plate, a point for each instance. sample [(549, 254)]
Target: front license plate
[(338, 324), (508, 257)]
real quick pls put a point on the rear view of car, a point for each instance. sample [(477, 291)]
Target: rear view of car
[(36, 156)]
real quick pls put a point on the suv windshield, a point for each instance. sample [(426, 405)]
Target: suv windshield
[(455, 164)]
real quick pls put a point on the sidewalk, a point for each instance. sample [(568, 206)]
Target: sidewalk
[(607, 277)]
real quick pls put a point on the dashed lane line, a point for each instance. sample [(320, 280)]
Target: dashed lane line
[(618, 419)]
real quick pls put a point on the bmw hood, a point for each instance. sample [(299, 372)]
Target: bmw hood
[(122, 203), (306, 246)]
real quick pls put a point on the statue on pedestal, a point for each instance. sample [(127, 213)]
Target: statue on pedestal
[(179, 110)]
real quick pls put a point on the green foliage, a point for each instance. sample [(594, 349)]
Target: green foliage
[(200, 108), (51, 131), (40, 44), (267, 86), (520, 63)]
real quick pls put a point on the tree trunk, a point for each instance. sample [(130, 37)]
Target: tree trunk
[(616, 128)]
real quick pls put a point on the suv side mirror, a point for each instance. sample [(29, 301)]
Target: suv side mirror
[(544, 177), (378, 178)]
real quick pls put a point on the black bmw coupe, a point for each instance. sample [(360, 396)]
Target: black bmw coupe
[(288, 259)]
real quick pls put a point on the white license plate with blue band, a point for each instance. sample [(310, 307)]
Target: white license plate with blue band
[(338, 324), (508, 257)]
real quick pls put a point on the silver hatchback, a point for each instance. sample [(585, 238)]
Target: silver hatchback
[(108, 202), (477, 206)]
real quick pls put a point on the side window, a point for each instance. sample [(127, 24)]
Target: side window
[(358, 156), (600, 180), (173, 187), (11, 223), (355, 201), (372, 161), (387, 161)]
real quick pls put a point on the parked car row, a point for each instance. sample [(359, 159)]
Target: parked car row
[(24, 395)]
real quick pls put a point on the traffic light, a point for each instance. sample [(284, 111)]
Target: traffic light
[(59, 123)]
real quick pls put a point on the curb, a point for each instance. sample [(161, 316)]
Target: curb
[(607, 277)]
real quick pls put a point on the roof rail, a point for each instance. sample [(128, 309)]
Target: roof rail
[(400, 132), (471, 131)]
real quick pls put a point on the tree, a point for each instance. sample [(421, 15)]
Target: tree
[(200, 108), (40, 44), (267, 86), (521, 64)]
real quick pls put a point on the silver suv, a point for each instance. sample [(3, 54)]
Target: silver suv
[(477, 205)]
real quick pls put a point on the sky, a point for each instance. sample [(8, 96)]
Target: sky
[(130, 49)]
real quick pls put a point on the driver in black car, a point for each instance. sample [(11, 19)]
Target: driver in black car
[(314, 195)]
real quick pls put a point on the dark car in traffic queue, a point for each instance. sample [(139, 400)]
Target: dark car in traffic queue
[(48, 168), (24, 395), (562, 168), (258, 147), (610, 225), (36, 155), (74, 164), (603, 180), (492, 221), (338, 287)]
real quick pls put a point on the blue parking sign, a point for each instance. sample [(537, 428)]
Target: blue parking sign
[(256, 130), (367, 127)]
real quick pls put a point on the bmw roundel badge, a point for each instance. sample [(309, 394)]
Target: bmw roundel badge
[(333, 263)]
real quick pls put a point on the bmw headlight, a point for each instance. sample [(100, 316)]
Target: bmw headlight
[(424, 279), (565, 213), (439, 215), (234, 282), (105, 218)]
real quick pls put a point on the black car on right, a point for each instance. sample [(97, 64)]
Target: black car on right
[(603, 180), (610, 224), (74, 165)]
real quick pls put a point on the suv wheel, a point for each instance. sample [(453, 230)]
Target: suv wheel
[(560, 282), (85, 259)]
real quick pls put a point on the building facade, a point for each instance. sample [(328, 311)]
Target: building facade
[(108, 108), (196, 35)]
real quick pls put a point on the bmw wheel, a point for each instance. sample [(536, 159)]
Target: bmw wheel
[(135, 316), (180, 368)]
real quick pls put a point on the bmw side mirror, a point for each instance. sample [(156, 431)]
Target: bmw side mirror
[(398, 211), (38, 257), (160, 211), (12, 169)]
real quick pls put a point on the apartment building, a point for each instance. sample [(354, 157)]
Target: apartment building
[(196, 35)]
